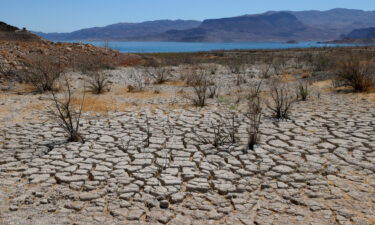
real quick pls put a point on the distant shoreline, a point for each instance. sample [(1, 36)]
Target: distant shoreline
[(175, 47)]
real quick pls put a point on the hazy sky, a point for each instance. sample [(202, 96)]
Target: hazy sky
[(70, 15)]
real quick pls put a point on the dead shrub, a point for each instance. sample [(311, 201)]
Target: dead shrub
[(65, 113), (98, 82), (279, 65), (41, 71), (265, 68), (93, 62), (139, 81), (237, 66), (222, 132), (219, 136), (254, 115), (351, 71), (159, 74), (212, 68), (254, 90), (200, 83), (321, 62), (213, 91), (281, 99)]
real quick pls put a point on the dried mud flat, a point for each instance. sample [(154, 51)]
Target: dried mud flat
[(316, 168)]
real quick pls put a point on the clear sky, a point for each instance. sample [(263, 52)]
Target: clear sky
[(70, 15)]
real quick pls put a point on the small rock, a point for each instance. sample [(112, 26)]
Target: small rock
[(13, 208), (88, 196), (282, 169), (164, 204), (39, 194), (135, 214), (74, 205), (52, 209), (44, 201)]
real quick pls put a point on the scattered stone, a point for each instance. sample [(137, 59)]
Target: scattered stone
[(13, 208), (164, 204), (88, 196)]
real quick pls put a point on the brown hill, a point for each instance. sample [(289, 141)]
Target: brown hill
[(11, 33)]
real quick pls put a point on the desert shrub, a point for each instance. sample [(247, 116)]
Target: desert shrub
[(139, 81), (303, 91), (41, 71), (219, 137), (265, 66), (159, 74), (98, 82), (281, 99), (254, 90), (200, 83), (213, 91), (200, 93), (6, 72), (93, 62), (146, 141), (224, 130), (212, 68), (232, 127), (322, 62), (7, 77), (353, 72), (65, 113), (237, 66), (279, 64), (254, 115)]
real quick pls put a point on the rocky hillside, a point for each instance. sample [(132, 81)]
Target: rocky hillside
[(340, 21), (11, 33), (366, 33), (14, 48), (358, 36)]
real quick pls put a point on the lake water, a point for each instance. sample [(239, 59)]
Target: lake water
[(152, 47)]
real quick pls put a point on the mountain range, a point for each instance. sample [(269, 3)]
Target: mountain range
[(270, 26)]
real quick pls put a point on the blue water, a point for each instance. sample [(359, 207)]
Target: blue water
[(152, 47)]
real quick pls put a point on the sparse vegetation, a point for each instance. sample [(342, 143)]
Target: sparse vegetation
[(351, 71), (237, 66), (159, 74), (281, 99), (224, 131), (65, 113), (139, 81), (98, 82), (219, 136), (200, 83), (213, 91), (93, 62), (41, 71), (254, 115), (303, 91)]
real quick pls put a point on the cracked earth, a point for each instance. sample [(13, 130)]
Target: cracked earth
[(318, 167)]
